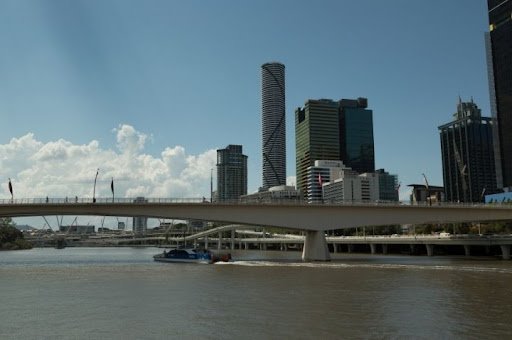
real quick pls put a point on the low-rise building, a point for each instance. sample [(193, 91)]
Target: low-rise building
[(352, 187), (323, 171), (426, 194), (280, 193), (77, 229)]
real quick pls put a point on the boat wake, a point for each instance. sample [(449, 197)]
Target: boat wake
[(393, 266)]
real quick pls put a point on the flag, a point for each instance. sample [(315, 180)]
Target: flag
[(10, 187), (112, 188)]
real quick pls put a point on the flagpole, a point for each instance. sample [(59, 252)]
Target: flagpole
[(10, 190)]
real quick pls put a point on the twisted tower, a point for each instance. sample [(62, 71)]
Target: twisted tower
[(273, 124)]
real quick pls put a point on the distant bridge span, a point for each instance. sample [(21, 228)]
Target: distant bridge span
[(314, 219)]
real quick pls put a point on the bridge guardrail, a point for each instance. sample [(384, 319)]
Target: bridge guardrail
[(103, 200)]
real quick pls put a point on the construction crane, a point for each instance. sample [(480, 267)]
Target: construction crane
[(462, 171), (429, 199)]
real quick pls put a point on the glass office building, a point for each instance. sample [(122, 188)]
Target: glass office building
[(468, 155), (388, 186), (356, 135), (499, 62)]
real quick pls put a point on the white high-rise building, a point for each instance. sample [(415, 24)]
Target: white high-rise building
[(352, 187), (323, 171), (273, 125), (331, 181)]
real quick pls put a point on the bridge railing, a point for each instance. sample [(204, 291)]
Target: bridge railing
[(167, 200), (83, 200)]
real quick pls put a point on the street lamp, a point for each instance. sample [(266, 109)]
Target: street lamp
[(94, 189)]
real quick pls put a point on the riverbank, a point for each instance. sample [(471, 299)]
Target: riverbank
[(12, 239)]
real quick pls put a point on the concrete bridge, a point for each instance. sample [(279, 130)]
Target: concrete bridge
[(313, 219)]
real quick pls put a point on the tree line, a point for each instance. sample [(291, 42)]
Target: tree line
[(10, 237)]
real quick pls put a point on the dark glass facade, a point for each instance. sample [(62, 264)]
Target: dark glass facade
[(388, 186), (500, 74), (356, 135), (468, 155), (231, 173)]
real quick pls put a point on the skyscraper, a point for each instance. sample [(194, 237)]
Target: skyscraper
[(273, 124), (333, 130), (356, 135), (317, 137), (499, 64), (468, 155), (231, 173)]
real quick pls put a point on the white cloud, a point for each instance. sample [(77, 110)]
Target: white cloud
[(129, 140), (63, 169)]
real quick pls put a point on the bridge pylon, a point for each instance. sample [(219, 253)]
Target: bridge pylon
[(315, 247)]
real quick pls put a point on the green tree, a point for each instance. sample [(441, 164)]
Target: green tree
[(10, 237), (6, 221)]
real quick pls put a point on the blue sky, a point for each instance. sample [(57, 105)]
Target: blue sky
[(183, 77)]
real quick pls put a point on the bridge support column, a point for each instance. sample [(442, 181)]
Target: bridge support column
[(505, 251), (206, 242), (232, 239), (373, 248), (315, 247), (467, 250), (385, 249), (219, 242), (430, 249), (412, 248), (334, 248), (350, 248)]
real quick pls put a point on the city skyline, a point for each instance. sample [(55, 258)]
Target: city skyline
[(79, 90)]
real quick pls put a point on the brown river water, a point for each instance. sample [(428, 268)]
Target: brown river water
[(121, 293)]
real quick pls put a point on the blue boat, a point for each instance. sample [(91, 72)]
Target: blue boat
[(190, 255)]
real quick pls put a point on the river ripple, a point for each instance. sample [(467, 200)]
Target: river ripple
[(120, 293)]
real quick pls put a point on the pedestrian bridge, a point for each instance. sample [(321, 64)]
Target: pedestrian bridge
[(315, 219)]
